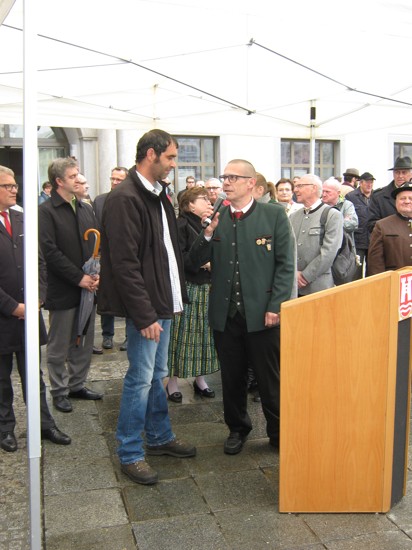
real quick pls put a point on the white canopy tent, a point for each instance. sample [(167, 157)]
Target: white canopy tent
[(215, 67)]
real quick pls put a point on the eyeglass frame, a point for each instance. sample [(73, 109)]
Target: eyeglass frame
[(300, 185), (232, 178), (212, 188), (10, 186)]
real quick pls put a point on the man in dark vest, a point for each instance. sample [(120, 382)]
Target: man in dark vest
[(250, 246)]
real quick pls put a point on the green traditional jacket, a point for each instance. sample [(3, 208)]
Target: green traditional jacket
[(263, 241)]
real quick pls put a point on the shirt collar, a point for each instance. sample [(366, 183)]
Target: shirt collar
[(155, 188), (244, 209)]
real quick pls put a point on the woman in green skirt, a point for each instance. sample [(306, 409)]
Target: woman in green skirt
[(191, 350)]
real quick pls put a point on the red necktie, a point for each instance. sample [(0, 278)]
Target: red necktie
[(238, 214), (6, 222)]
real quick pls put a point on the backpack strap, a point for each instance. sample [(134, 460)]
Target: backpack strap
[(323, 219)]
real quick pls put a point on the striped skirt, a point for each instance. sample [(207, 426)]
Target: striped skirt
[(192, 350)]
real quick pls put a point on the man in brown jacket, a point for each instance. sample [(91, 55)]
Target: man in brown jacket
[(391, 240)]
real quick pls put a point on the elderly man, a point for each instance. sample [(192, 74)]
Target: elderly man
[(360, 198), (213, 187), (331, 196), (382, 203), (63, 221), (118, 174), (314, 259), (12, 313), (391, 242), (143, 280), (250, 247)]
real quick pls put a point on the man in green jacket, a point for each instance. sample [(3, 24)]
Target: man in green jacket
[(250, 246)]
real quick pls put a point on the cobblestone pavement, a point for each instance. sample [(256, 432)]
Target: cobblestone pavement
[(213, 501)]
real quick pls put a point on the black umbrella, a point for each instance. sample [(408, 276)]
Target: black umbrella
[(91, 267)]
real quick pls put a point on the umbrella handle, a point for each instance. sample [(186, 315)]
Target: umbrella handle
[(97, 242)]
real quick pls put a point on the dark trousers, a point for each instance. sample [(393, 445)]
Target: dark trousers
[(363, 257), (107, 322), (236, 348), (7, 418)]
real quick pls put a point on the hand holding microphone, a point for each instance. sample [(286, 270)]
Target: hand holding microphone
[(220, 198)]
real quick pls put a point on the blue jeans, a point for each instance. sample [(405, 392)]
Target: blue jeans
[(143, 406)]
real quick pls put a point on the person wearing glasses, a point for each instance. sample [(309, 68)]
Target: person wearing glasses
[(12, 313), (284, 194), (250, 248), (213, 187), (118, 174), (192, 350), (190, 182), (314, 260)]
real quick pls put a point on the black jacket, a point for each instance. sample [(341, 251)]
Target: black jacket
[(382, 205), (189, 226), (134, 276), (12, 286), (361, 205), (61, 232)]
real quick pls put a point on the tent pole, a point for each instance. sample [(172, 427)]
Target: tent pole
[(312, 136), (31, 282)]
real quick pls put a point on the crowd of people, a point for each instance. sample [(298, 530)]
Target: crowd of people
[(199, 277)]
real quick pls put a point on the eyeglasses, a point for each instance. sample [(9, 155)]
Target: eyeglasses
[(300, 185), (213, 188), (204, 198), (10, 186), (232, 178)]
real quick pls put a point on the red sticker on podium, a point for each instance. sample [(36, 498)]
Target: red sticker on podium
[(405, 297)]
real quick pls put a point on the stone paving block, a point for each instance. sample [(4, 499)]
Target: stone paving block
[(262, 453), (64, 477), (83, 447), (388, 540), (191, 532), (202, 434), (401, 514), (265, 528), (191, 414), (83, 511), (108, 420), (104, 538), (110, 401), (83, 419), (212, 459), (332, 527), (236, 490), (179, 497)]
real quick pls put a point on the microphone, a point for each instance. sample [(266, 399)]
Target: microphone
[(220, 198)]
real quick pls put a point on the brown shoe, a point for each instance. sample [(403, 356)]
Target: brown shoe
[(140, 472), (178, 448)]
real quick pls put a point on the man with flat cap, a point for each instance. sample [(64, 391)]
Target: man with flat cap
[(382, 203), (350, 179), (391, 240), (360, 198)]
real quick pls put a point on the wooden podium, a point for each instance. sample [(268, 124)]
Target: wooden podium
[(345, 396)]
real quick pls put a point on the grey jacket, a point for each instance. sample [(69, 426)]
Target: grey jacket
[(313, 260)]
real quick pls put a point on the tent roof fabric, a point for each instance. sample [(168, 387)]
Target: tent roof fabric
[(216, 67)]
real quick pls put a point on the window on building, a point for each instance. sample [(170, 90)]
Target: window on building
[(402, 150), (295, 158), (197, 157), (52, 143)]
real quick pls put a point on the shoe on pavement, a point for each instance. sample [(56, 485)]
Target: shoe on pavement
[(8, 442), (234, 443), (140, 472), (176, 447), (123, 347), (54, 435), (108, 342), (62, 403), (97, 350), (85, 393)]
